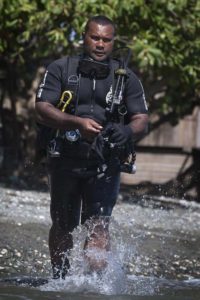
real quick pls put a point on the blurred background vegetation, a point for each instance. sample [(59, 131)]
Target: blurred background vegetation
[(164, 36)]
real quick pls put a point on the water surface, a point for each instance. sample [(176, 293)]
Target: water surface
[(154, 254)]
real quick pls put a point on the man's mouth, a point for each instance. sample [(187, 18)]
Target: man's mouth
[(99, 53)]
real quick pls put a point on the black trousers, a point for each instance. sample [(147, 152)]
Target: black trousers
[(78, 196)]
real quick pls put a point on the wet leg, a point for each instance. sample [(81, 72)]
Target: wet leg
[(60, 244), (65, 215), (97, 244), (99, 199)]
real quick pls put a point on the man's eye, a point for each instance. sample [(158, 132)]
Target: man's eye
[(95, 38), (107, 40)]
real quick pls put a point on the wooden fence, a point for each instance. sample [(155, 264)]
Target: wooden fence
[(169, 158)]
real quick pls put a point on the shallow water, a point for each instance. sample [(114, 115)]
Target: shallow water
[(154, 252)]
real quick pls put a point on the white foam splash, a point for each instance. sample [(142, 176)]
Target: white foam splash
[(111, 281)]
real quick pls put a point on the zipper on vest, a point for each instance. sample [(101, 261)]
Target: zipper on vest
[(93, 95)]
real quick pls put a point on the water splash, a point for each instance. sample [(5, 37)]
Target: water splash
[(112, 280)]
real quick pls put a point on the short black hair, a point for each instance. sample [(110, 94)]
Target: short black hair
[(100, 19)]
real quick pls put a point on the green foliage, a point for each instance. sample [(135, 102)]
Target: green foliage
[(36, 27), (164, 36)]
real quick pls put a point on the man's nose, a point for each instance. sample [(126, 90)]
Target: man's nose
[(100, 43)]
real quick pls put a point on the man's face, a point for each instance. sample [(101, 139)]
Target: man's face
[(99, 41)]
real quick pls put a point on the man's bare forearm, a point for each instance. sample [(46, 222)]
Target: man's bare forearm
[(51, 116), (139, 125)]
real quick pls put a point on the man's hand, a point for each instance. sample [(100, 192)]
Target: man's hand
[(89, 128)]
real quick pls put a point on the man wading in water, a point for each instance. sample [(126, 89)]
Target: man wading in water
[(79, 106)]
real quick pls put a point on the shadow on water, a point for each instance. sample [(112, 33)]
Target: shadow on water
[(154, 252)]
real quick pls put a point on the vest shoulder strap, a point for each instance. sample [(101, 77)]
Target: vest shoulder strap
[(69, 75)]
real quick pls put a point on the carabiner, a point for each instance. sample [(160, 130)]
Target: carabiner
[(65, 100)]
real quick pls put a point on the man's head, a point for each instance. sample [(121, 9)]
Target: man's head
[(99, 37)]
